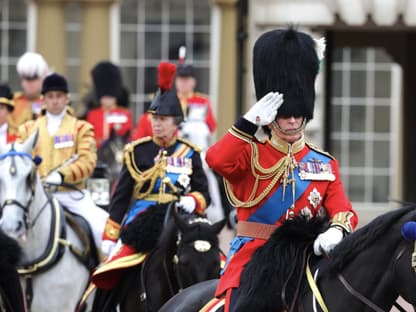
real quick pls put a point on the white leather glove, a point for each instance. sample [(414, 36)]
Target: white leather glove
[(54, 178), (264, 112), (327, 240), (187, 203), (107, 247)]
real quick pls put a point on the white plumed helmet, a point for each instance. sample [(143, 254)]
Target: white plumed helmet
[(32, 65)]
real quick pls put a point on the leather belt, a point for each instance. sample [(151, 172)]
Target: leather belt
[(255, 229)]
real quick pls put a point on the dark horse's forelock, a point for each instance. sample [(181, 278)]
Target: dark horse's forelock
[(264, 276), (361, 239)]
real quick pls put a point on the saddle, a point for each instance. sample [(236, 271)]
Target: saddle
[(89, 254)]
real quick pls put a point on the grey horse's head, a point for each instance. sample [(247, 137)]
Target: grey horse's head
[(17, 178)]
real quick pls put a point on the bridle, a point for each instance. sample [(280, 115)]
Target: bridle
[(351, 290), (13, 171)]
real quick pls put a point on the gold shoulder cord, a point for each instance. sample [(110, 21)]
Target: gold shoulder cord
[(282, 167), (151, 174)]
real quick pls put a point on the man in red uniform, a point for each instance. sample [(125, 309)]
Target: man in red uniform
[(109, 117), (271, 173), (195, 105)]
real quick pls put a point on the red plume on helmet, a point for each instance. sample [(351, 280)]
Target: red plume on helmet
[(166, 75), (166, 101)]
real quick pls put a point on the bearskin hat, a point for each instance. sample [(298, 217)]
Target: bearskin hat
[(286, 61), (107, 80), (54, 82), (6, 96), (166, 101)]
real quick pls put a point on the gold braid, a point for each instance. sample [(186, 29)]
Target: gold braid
[(283, 167), (151, 175)]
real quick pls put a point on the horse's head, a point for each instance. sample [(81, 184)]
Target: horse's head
[(198, 254), (197, 132), (17, 182)]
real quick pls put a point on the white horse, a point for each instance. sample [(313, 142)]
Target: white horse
[(196, 131), (50, 273)]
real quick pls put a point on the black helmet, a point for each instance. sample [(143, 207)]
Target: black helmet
[(6, 96), (54, 82), (166, 101)]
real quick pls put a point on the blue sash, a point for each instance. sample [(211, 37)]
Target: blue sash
[(275, 206)]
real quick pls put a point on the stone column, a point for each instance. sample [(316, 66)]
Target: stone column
[(227, 71)]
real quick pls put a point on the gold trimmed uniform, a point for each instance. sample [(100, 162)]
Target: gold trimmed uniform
[(150, 175), (271, 182), (74, 136)]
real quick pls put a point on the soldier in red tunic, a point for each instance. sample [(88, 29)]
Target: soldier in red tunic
[(195, 105), (109, 117), (271, 173)]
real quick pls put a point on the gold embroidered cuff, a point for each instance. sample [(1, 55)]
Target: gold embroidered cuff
[(343, 220), (201, 203), (111, 230)]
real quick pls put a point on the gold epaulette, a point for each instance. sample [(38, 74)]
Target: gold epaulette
[(316, 149), (202, 95), (17, 94), (189, 143)]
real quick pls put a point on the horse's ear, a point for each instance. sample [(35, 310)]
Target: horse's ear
[(217, 227), (28, 145), (179, 221)]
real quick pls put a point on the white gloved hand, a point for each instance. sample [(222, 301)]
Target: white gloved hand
[(327, 240), (187, 203), (107, 247), (265, 110), (54, 178)]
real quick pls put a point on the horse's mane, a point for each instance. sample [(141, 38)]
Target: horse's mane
[(361, 239), (280, 259), (145, 230)]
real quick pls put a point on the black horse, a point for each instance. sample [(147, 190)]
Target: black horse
[(187, 252), (369, 268), (11, 295)]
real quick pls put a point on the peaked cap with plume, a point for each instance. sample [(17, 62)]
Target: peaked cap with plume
[(166, 101)]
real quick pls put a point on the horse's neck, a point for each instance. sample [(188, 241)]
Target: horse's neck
[(38, 236)]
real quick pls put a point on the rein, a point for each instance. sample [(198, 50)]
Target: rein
[(356, 294)]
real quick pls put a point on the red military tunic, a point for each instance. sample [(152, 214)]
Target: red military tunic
[(244, 163), (118, 119), (199, 102), (144, 127)]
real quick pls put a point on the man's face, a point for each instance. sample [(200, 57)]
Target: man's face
[(290, 128), (108, 102), (185, 85), (55, 101), (31, 87)]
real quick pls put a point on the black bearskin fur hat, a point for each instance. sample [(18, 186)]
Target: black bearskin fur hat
[(285, 60), (107, 80)]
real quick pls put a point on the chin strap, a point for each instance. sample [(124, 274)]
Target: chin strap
[(289, 132)]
